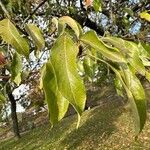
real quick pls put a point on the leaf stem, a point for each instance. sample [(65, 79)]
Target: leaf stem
[(5, 10)]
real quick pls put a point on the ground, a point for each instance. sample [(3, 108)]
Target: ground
[(108, 126)]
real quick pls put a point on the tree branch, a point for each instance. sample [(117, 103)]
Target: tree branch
[(4, 9), (34, 11)]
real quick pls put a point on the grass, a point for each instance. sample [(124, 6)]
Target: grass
[(108, 126)]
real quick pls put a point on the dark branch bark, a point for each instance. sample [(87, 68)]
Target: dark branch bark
[(94, 26), (14, 115), (88, 23), (34, 11)]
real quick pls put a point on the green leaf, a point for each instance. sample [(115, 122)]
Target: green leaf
[(147, 76), (16, 68), (110, 53), (36, 35), (42, 72), (138, 95), (57, 104), (145, 15), (25, 74), (2, 98), (130, 50), (135, 93), (118, 86), (63, 60), (144, 55), (80, 66), (72, 23), (97, 5), (89, 66), (55, 22), (129, 11), (9, 33), (147, 48)]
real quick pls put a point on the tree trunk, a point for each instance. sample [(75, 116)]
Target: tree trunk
[(14, 115)]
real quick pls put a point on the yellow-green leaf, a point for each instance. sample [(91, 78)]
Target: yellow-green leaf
[(110, 53), (137, 97), (135, 93), (72, 23), (57, 104), (16, 68), (9, 33), (97, 4), (63, 60), (2, 98), (145, 15), (89, 66), (131, 52), (36, 35)]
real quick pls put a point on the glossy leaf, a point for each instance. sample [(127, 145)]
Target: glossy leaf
[(57, 104), (97, 5), (129, 11), (130, 50), (110, 53), (63, 60), (89, 66), (16, 68), (36, 35), (135, 93), (72, 23), (145, 15), (2, 98), (118, 86), (9, 33), (138, 95), (80, 66), (144, 55)]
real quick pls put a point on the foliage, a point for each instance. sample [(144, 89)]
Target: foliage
[(72, 45)]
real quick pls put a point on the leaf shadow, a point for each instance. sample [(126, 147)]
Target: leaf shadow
[(96, 128)]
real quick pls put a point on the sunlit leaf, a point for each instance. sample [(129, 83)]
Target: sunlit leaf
[(112, 54), (36, 35), (72, 23), (138, 95), (80, 66), (145, 15), (2, 98), (129, 11), (130, 50), (97, 4), (118, 86), (63, 60), (89, 66), (16, 68), (135, 93), (57, 104), (9, 33)]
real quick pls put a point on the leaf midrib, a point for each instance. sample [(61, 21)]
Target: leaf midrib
[(97, 47), (9, 28), (66, 67)]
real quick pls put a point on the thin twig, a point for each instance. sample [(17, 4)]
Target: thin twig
[(34, 11), (4, 9), (4, 77)]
